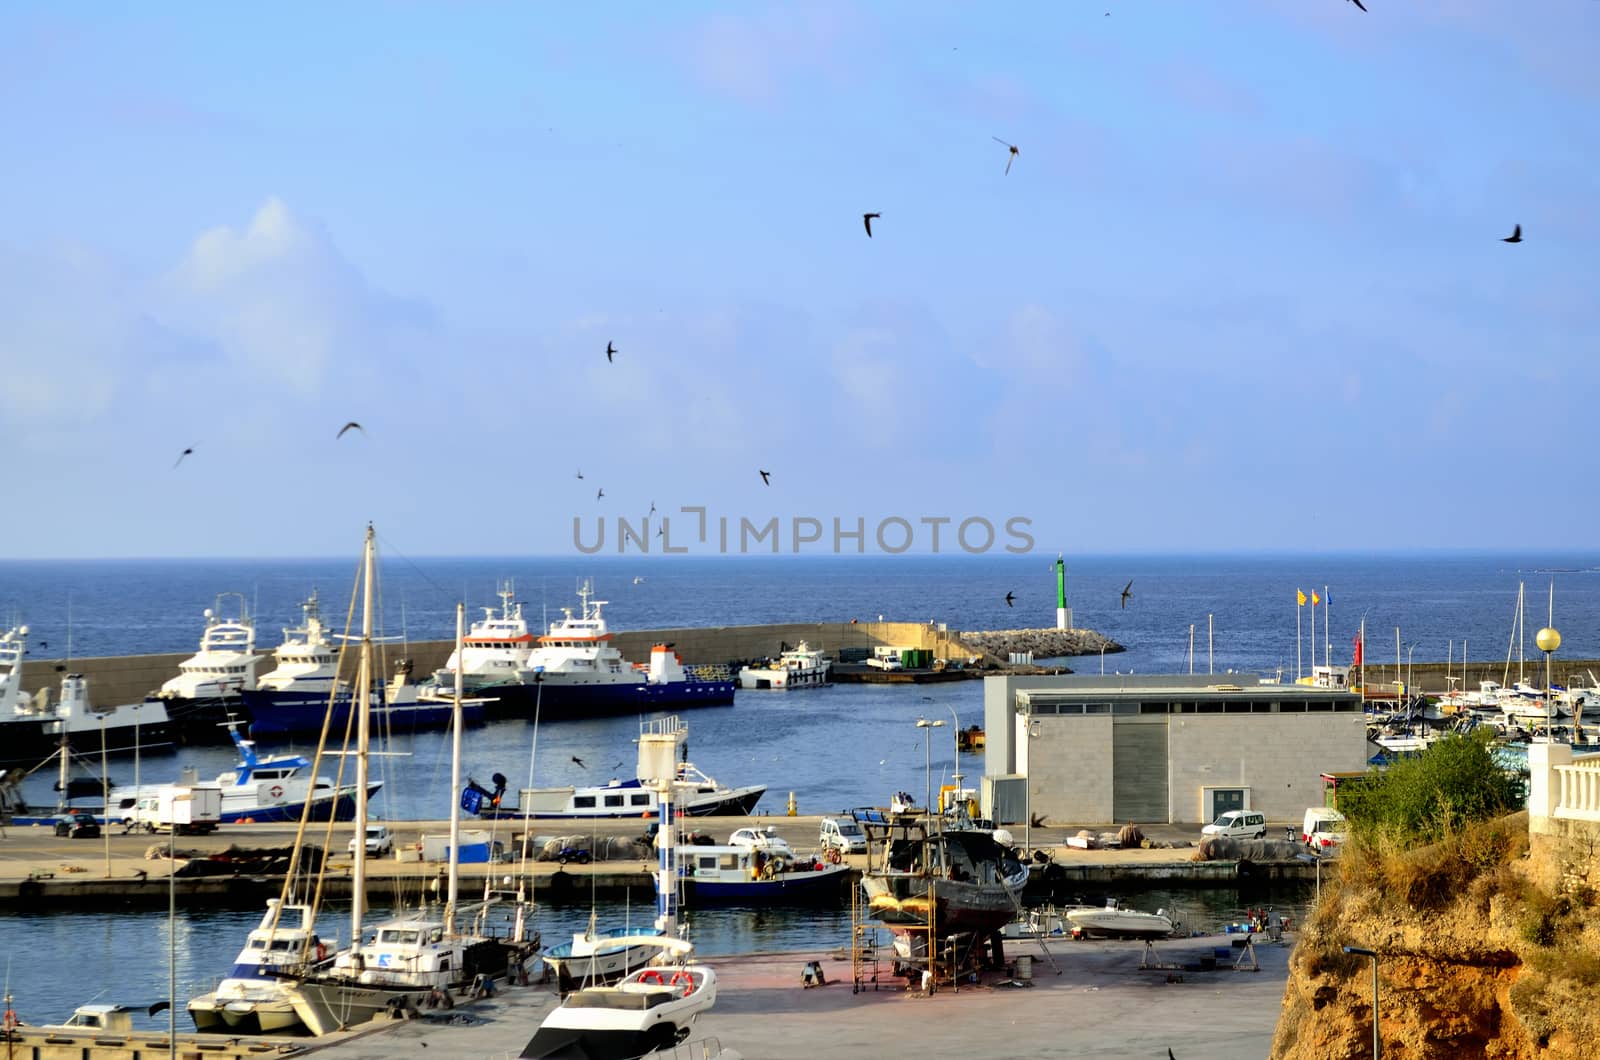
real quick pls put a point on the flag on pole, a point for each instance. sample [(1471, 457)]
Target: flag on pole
[(1300, 598), (1356, 657), (1315, 599), (1327, 598)]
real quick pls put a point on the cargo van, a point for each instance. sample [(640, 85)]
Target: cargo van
[(1323, 829), (842, 834), (1238, 824)]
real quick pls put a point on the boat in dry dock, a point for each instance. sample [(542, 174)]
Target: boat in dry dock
[(922, 875)]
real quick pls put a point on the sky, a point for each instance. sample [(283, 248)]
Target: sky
[(1243, 287)]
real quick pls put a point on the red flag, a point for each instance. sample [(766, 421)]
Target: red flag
[(1356, 659)]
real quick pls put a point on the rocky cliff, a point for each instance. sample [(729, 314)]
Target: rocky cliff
[(1489, 947)]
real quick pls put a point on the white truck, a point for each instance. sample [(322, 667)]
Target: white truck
[(185, 809)]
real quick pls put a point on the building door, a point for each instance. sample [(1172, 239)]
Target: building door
[(1139, 770), (1223, 800)]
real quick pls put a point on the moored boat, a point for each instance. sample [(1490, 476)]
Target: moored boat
[(697, 796), (797, 667), (251, 999), (208, 692), (32, 728), (1113, 921), (743, 875)]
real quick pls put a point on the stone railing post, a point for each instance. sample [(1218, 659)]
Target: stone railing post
[(1544, 785)]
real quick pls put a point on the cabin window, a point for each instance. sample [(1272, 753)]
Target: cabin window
[(613, 800), (640, 800), (583, 802)]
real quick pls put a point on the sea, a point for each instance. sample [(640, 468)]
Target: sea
[(831, 748)]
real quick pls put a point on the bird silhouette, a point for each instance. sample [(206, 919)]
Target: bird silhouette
[(580, 472), (1010, 597), (579, 762), (1127, 593), (599, 493), (1515, 236), (1363, 7), (765, 476), (346, 427), (186, 452), (1012, 147), (866, 219), (617, 766), (611, 351), (652, 510), (662, 532)]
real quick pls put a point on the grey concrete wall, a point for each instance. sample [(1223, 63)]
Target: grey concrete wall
[(1279, 757), (1069, 766)]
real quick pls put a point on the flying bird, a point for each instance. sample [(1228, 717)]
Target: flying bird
[(181, 455), (1012, 147), (611, 351), (1010, 597), (599, 493), (652, 510), (662, 532), (866, 219), (347, 427), (765, 475), (1127, 593), (580, 472), (1363, 7), (579, 762), (1515, 236)]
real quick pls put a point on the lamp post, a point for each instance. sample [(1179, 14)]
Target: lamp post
[(1548, 641), (1410, 674), (1027, 790), (927, 745), (1377, 1044), (955, 734)]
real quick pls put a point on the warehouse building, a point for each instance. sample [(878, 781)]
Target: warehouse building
[(1078, 749)]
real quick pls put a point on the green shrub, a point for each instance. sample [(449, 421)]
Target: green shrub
[(1433, 795)]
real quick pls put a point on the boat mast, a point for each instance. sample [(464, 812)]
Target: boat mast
[(358, 871), (455, 784)]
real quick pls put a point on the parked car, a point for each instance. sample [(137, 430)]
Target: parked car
[(1238, 824), (1324, 830), (379, 840), (78, 826), (842, 834), (765, 839)]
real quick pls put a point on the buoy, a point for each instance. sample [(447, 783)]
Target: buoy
[(793, 810)]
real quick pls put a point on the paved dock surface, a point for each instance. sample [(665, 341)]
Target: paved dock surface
[(1100, 1005)]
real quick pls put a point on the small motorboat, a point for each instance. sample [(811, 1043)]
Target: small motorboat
[(649, 1010), (1112, 921)]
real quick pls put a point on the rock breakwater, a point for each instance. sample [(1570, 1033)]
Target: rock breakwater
[(1044, 643)]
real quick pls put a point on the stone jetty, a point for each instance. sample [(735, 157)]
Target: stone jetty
[(1044, 643)]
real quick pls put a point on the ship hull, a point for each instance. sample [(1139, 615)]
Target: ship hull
[(554, 698), (275, 715)]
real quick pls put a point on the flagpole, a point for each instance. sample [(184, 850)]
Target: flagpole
[(1313, 630), (1298, 654), (1327, 629)]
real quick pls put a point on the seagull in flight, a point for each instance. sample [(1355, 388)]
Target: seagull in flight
[(186, 452), (1012, 147), (1127, 593), (1515, 236), (866, 219), (1363, 7), (1010, 597), (348, 426), (579, 762), (652, 510), (599, 494), (765, 476), (580, 472), (611, 351)]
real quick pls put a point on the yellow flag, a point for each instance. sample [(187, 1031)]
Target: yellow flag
[(1300, 597), (1315, 599)]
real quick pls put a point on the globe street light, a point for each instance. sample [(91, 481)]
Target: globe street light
[(1548, 641), (1377, 1044), (927, 744)]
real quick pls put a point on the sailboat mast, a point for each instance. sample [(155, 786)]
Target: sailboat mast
[(358, 872), (455, 782)]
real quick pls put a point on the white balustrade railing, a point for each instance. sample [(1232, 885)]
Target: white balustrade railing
[(1578, 792)]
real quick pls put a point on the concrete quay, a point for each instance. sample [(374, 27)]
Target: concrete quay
[(39, 870)]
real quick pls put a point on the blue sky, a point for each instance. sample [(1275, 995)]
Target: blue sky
[(1243, 287)]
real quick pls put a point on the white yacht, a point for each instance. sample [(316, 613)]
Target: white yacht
[(798, 667), (307, 664), (492, 652), (251, 1000), (210, 683), (1112, 921)]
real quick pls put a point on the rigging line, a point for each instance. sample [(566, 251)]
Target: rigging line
[(441, 590)]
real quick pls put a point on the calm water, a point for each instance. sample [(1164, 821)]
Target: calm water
[(833, 747)]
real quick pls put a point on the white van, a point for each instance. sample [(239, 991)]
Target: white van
[(1238, 824), (842, 834), (1323, 829)]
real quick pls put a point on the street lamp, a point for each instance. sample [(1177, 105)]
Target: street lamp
[(1410, 674), (1027, 790), (955, 733), (1377, 1044), (1548, 641), (927, 744)]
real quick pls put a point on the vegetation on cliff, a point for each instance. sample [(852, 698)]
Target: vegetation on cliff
[(1489, 943)]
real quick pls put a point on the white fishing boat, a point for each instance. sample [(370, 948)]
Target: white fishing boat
[(1113, 921), (33, 727), (490, 654), (798, 667), (697, 795), (208, 691), (252, 1000)]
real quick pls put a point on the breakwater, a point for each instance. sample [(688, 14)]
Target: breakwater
[(1043, 643)]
